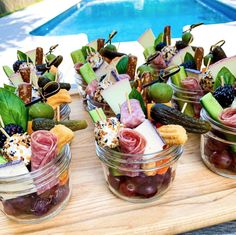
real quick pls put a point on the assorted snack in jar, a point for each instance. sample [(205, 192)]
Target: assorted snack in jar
[(34, 155), (35, 76), (140, 146), (98, 66), (218, 146)]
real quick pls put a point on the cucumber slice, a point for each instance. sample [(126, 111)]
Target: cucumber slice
[(211, 105), (149, 51), (77, 56), (178, 77), (97, 115), (115, 172), (87, 73), (8, 71), (2, 160)]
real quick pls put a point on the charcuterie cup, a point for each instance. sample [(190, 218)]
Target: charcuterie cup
[(139, 177), (40, 194), (218, 148)]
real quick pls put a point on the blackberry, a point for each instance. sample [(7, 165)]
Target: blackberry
[(180, 45), (17, 64), (160, 46), (189, 65), (11, 129), (224, 95)]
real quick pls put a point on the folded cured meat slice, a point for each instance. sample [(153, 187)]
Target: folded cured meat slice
[(43, 148), (135, 117), (228, 117), (131, 141)]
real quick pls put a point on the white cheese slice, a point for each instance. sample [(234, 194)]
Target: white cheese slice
[(154, 141), (115, 95)]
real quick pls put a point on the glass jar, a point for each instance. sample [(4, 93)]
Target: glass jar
[(81, 88), (92, 104), (65, 111), (182, 96), (218, 148), (139, 177), (37, 195)]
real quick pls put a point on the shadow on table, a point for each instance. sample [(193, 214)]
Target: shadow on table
[(17, 25), (221, 229)]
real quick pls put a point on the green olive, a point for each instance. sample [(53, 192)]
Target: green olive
[(207, 57), (187, 37)]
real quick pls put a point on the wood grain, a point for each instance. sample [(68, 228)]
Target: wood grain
[(198, 197)]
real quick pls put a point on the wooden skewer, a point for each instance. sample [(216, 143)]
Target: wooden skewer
[(87, 51), (1, 122), (167, 40), (4, 132), (56, 76), (184, 107), (208, 64), (222, 80), (58, 114), (128, 103)]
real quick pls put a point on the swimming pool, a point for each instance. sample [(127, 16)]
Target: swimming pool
[(132, 17)]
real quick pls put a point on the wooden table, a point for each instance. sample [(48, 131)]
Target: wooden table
[(198, 197)]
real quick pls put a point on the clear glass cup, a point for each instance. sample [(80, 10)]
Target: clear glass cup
[(65, 111), (139, 177), (218, 148), (37, 195), (182, 96)]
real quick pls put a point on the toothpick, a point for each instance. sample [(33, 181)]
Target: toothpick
[(58, 114), (4, 132), (128, 103), (222, 80), (208, 63), (98, 113), (1, 122), (136, 77), (184, 107), (87, 51)]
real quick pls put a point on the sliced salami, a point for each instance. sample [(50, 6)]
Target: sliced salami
[(134, 117), (43, 148), (131, 141), (228, 117)]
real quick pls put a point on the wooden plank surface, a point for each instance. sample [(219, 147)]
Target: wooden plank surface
[(198, 198)]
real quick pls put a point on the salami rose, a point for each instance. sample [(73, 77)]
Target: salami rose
[(131, 141), (43, 148), (228, 117), (159, 62)]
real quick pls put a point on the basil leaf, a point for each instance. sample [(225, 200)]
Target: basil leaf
[(159, 39), (122, 65), (12, 109), (188, 57), (22, 56), (134, 94), (10, 88), (229, 78)]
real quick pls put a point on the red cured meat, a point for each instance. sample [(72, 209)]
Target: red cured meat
[(133, 119), (191, 83), (91, 88), (159, 62), (228, 117), (43, 148), (131, 141)]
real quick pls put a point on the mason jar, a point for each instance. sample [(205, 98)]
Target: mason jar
[(92, 104), (182, 96), (65, 111), (139, 177), (40, 194), (218, 148)]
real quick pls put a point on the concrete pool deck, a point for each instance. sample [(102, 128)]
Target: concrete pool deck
[(16, 28)]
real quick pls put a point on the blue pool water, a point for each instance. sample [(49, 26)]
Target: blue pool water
[(132, 17)]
